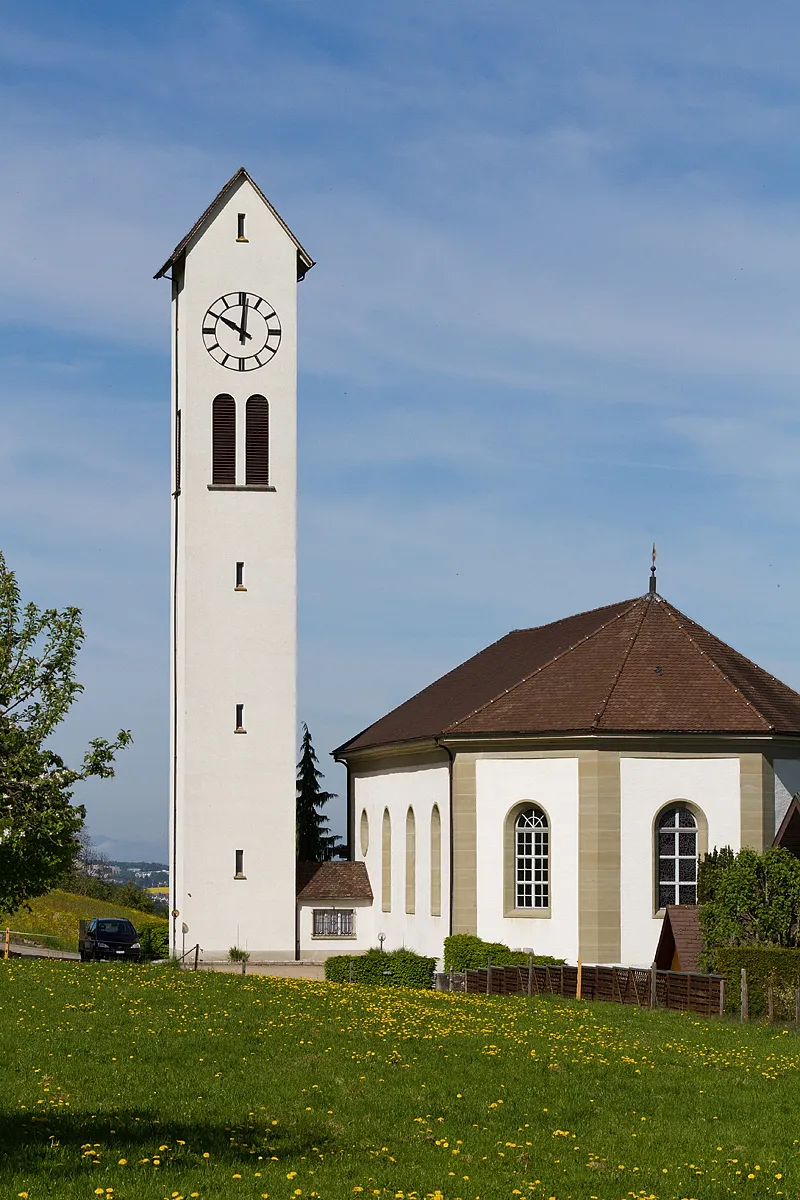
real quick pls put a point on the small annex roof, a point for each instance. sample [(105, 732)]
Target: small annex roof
[(788, 835), (304, 260), (640, 666), (332, 881), (680, 943)]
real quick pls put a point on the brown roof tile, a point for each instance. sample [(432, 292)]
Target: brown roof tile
[(681, 936), (333, 881), (638, 666)]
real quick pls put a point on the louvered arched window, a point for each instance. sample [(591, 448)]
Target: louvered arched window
[(223, 437), (256, 465)]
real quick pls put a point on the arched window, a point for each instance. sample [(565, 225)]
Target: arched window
[(436, 862), (386, 862), (411, 862), (223, 438), (256, 455), (532, 859), (676, 851), (364, 832)]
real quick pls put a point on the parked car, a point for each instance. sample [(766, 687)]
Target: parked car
[(108, 937)]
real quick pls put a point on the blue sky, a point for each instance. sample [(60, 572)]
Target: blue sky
[(554, 318)]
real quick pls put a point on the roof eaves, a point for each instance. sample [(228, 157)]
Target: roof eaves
[(452, 728), (304, 260)]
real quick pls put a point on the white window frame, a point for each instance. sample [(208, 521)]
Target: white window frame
[(333, 922), (532, 859), (684, 890)]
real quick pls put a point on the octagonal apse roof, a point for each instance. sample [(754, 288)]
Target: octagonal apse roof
[(640, 666)]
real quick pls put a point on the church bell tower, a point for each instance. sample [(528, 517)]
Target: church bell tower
[(233, 622)]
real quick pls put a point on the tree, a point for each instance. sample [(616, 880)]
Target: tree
[(749, 899), (39, 826), (314, 842)]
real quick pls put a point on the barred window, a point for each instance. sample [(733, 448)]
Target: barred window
[(676, 848), (532, 859), (333, 922)]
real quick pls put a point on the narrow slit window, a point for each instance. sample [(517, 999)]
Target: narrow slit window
[(240, 577), (257, 442), (240, 234), (240, 864), (223, 466), (240, 719)]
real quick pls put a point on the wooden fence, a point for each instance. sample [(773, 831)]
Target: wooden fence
[(681, 991)]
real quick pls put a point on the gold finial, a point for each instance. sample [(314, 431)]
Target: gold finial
[(653, 571)]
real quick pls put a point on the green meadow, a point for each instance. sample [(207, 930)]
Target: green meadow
[(145, 1083)]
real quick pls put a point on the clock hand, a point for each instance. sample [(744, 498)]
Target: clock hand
[(243, 331), (234, 327)]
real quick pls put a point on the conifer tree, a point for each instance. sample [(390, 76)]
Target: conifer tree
[(314, 841)]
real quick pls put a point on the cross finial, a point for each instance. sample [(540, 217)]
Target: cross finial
[(653, 571)]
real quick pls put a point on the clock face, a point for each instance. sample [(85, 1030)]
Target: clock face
[(241, 331)]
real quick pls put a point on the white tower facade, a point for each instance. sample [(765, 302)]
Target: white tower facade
[(233, 628)]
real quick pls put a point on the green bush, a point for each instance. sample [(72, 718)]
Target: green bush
[(382, 968), (153, 938), (466, 952), (764, 965)]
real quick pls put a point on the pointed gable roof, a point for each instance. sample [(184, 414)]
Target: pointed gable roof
[(788, 835), (304, 260), (640, 666)]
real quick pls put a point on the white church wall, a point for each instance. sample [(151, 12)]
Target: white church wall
[(551, 783), (317, 949), (646, 786), (395, 789), (787, 782)]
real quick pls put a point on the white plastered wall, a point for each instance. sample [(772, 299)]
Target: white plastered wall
[(317, 949), (646, 786), (395, 789), (551, 783), (787, 782)]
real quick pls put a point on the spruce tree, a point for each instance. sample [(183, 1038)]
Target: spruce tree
[(314, 841)]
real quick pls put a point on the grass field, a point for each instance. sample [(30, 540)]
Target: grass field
[(59, 914), (144, 1083)]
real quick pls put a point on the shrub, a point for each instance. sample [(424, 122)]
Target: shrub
[(466, 952), (750, 899), (154, 939), (237, 954), (382, 968), (764, 965)]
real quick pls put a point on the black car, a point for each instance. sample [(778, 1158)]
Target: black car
[(108, 937)]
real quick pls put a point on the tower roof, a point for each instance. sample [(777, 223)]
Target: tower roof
[(304, 260), (639, 666)]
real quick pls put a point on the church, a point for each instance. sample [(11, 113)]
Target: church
[(555, 792)]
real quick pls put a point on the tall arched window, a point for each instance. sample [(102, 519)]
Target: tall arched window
[(223, 438), (386, 862), (436, 862), (411, 862), (256, 456), (532, 859), (676, 849)]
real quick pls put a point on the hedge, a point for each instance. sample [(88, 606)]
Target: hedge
[(466, 952), (382, 968), (764, 965), (154, 939)]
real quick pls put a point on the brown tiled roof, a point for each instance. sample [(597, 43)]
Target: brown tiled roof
[(333, 881), (680, 934), (634, 667), (788, 835), (304, 260)]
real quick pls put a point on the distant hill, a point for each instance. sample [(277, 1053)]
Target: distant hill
[(59, 913)]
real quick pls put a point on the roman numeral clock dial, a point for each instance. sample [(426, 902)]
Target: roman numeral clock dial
[(241, 331)]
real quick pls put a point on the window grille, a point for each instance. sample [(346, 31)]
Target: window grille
[(333, 922), (223, 465), (256, 441), (532, 859), (677, 857)]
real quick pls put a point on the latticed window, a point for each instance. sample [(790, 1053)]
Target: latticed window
[(333, 922), (677, 857), (256, 464), (223, 434), (532, 859)]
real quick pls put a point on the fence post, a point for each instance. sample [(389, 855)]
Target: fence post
[(797, 1006), (654, 986), (744, 1007), (530, 975), (579, 979), (451, 977), (7, 943), (196, 954), (488, 977), (244, 966), (722, 997)]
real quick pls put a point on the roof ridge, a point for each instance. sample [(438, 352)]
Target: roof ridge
[(601, 710), (556, 657), (750, 662), (573, 616), (671, 612)]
